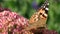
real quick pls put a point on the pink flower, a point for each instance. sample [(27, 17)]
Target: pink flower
[(11, 22)]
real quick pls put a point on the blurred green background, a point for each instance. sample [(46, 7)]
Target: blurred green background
[(27, 7)]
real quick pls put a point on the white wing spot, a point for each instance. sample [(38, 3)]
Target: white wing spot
[(46, 9)]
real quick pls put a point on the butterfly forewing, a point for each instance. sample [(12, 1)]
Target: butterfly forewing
[(39, 18)]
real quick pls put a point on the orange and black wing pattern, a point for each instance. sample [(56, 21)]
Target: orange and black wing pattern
[(39, 18)]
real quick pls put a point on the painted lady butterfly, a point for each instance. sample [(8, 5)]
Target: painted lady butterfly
[(39, 18)]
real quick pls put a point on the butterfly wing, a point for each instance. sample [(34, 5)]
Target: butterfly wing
[(39, 18)]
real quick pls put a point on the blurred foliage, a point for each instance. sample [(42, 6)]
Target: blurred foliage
[(25, 8), (54, 15)]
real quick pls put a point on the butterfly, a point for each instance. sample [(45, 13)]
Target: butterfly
[(39, 18)]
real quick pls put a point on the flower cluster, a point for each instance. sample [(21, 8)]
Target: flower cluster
[(44, 31), (11, 22)]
